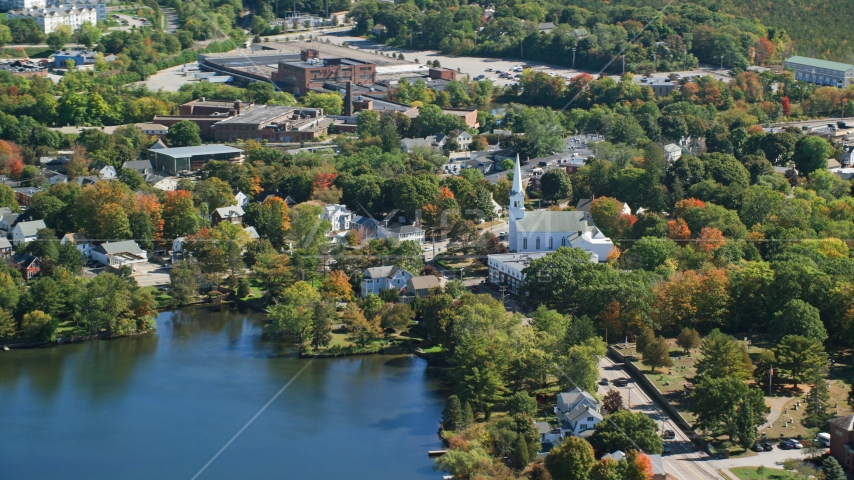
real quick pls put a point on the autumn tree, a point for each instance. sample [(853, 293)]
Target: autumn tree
[(180, 217), (337, 285), (638, 466), (657, 354), (613, 402), (571, 460), (688, 339)]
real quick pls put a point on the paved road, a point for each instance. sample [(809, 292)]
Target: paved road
[(150, 275), (686, 461)]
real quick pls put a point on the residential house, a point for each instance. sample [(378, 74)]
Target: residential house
[(29, 265), (253, 234), (672, 152), (142, 167), (842, 440), (546, 27), (463, 138), (377, 279), (402, 232), (435, 142), (833, 164), (421, 286), (119, 254), (584, 205), (26, 232), (339, 217), (241, 199), (7, 221), (658, 472), (86, 180), (366, 227), (166, 184), (24, 195), (80, 240), (178, 249), (231, 214), (577, 413), (105, 172), (547, 433), (5, 249)]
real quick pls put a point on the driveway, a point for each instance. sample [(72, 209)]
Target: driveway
[(150, 274)]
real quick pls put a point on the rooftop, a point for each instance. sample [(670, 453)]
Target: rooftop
[(115, 248), (181, 152), (814, 62)]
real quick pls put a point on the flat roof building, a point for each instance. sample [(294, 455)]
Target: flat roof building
[(272, 123), (312, 72), (52, 17), (821, 72), (190, 159)]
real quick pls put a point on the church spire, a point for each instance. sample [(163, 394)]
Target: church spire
[(517, 178)]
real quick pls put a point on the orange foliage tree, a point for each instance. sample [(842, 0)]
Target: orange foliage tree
[(337, 285), (638, 466), (682, 205), (678, 230), (691, 298), (710, 239), (150, 205)]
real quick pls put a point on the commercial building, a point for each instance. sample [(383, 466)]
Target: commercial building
[(100, 6), (119, 254), (506, 268), (312, 72), (26, 68), (821, 72), (191, 159), (50, 18)]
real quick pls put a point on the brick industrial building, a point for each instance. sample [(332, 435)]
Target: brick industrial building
[(231, 121), (312, 72)]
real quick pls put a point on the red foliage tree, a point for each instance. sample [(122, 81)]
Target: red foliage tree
[(787, 106)]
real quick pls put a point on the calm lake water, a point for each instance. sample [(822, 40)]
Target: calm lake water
[(162, 405)]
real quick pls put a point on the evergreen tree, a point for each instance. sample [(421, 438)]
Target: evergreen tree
[(452, 415), (321, 329), (832, 469), (818, 400), (746, 428), (468, 416), (519, 457)]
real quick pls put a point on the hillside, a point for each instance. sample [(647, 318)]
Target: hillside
[(819, 29)]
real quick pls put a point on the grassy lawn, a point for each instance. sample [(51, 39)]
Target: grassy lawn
[(163, 299), (340, 339), (750, 473)]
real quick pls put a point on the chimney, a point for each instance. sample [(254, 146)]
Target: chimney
[(237, 107), (348, 99)]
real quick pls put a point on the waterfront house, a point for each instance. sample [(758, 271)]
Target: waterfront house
[(377, 279), (421, 286), (119, 254)]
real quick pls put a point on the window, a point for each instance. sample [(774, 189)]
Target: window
[(551, 243), (589, 419), (538, 243), (524, 244), (563, 242)]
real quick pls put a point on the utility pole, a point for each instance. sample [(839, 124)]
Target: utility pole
[(573, 57)]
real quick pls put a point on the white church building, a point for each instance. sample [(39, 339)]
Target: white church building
[(545, 231)]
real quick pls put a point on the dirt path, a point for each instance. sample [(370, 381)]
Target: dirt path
[(776, 404)]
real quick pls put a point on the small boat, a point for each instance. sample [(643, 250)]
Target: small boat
[(436, 453)]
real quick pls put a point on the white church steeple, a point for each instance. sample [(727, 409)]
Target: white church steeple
[(517, 204)]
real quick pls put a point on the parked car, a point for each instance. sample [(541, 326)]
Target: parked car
[(767, 446), (757, 448), (798, 445), (786, 445)]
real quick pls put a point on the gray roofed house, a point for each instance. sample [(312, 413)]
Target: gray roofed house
[(377, 279), (86, 180), (403, 232), (231, 214), (141, 166), (574, 398), (8, 220), (5, 248), (119, 254), (25, 232), (547, 27), (253, 234), (421, 286)]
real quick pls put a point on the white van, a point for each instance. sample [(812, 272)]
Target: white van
[(823, 438)]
